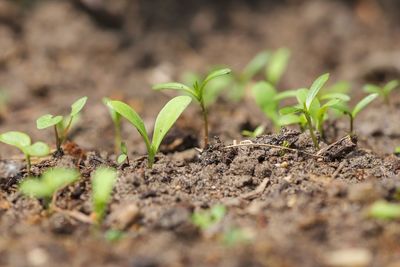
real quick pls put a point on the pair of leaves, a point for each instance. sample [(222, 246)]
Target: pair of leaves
[(23, 142), (50, 182), (102, 186), (384, 90), (358, 107), (49, 120), (206, 219), (164, 121)]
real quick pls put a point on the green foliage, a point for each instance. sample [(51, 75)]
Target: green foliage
[(23, 142), (165, 120), (116, 119), (309, 107), (277, 65), (397, 150), (60, 124), (253, 134), (385, 211), (206, 219), (49, 183), (124, 154), (268, 99), (113, 235), (102, 186), (236, 236), (196, 91), (383, 91), (352, 113)]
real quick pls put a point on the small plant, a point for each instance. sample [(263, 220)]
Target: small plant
[(23, 142), (309, 106), (352, 113), (253, 134), (102, 186), (165, 120), (385, 211), (277, 65), (383, 91), (60, 124), (397, 150), (206, 219), (197, 91), (48, 184), (124, 154), (116, 119)]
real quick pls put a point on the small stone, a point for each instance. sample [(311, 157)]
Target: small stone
[(352, 257), (38, 257), (124, 216)]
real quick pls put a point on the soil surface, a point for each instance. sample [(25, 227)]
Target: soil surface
[(290, 206)]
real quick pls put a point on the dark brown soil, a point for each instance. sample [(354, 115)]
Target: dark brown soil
[(295, 207)]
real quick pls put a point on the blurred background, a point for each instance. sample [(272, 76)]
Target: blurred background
[(52, 52)]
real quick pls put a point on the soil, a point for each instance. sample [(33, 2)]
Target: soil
[(293, 207)]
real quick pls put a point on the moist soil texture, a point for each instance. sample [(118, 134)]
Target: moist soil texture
[(287, 204)]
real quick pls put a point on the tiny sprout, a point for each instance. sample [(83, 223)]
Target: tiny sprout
[(309, 106), (277, 65), (165, 120), (124, 154), (253, 134), (383, 91), (206, 219), (60, 124), (397, 150), (385, 211), (49, 183), (197, 91), (356, 110), (23, 142), (116, 119), (102, 186)]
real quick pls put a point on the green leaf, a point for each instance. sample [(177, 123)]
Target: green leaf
[(17, 139), (340, 96), (38, 149), (277, 65), (315, 87), (264, 94), (128, 113), (289, 119), (363, 103), (215, 74), (121, 158), (342, 87), (167, 117), (47, 121), (372, 89), (176, 86), (255, 65), (301, 96), (77, 106), (385, 211), (102, 186), (289, 110), (285, 94), (114, 115), (35, 188), (390, 86), (331, 103), (342, 107)]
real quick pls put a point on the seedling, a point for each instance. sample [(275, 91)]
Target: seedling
[(102, 186), (116, 119), (48, 184), (268, 99), (60, 124), (397, 151), (253, 134), (383, 91), (385, 211), (309, 106), (277, 65), (352, 113), (206, 219), (23, 142), (165, 120), (197, 92), (124, 154)]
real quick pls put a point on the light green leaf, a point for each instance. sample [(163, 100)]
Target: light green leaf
[(264, 94), (331, 103), (47, 121), (385, 211), (289, 110), (255, 65), (342, 107), (390, 86), (315, 87), (277, 65), (128, 113), (372, 89), (121, 158), (176, 86), (167, 117), (340, 96), (35, 188), (77, 106), (17, 139), (363, 103), (301, 96), (38, 149), (58, 178), (215, 74), (285, 94), (102, 186), (289, 119)]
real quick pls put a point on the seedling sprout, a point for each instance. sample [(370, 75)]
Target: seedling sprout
[(206, 219), (253, 134), (60, 124), (165, 120), (102, 186), (385, 211), (116, 119), (196, 91), (383, 91), (23, 142)]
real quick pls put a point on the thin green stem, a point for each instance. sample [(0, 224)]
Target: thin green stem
[(58, 140), (351, 124), (205, 121), (151, 158), (118, 138), (66, 130), (310, 128)]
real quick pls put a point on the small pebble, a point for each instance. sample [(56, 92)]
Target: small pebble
[(352, 257), (38, 257)]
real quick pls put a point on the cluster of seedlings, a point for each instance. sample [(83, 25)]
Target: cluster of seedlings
[(310, 109)]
